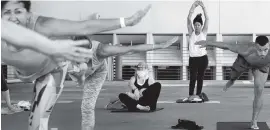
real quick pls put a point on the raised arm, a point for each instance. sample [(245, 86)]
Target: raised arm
[(105, 51), (60, 27), (189, 21), (240, 48), (25, 38), (205, 27)]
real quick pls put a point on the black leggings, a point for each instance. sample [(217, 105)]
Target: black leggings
[(3, 82), (197, 67), (149, 98)]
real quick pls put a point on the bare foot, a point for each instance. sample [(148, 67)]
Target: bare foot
[(228, 85), (143, 108), (14, 108)]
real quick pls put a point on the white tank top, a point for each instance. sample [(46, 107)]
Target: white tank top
[(195, 50)]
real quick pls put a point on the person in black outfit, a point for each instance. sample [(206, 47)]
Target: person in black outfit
[(145, 91), (6, 95)]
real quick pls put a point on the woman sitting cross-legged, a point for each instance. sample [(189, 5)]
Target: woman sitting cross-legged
[(145, 91)]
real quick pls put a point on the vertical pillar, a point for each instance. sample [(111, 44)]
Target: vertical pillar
[(150, 54), (219, 55), (185, 55), (110, 67), (118, 60), (250, 75)]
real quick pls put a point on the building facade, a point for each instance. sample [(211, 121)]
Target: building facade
[(230, 21)]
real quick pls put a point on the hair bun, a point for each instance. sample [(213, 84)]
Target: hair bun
[(199, 15)]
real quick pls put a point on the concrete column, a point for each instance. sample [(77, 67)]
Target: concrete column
[(185, 54), (150, 54), (219, 55), (118, 60)]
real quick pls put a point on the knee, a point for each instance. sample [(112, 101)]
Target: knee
[(200, 77), (193, 76), (259, 91), (157, 85), (122, 96)]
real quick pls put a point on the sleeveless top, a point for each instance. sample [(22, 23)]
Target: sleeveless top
[(145, 85), (29, 65), (95, 63), (195, 50)]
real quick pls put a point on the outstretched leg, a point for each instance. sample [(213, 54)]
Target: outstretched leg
[(92, 87), (259, 83), (239, 66)]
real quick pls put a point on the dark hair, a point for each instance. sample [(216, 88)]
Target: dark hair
[(26, 3), (198, 18), (262, 40)]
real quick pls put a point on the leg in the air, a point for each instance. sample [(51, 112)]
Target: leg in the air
[(234, 75), (92, 87), (239, 66), (259, 83)]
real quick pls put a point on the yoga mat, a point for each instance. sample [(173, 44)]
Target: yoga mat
[(138, 111), (211, 101), (240, 126)]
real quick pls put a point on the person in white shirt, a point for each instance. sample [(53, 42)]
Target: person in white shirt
[(198, 60)]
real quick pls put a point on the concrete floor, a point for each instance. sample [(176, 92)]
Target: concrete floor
[(235, 106)]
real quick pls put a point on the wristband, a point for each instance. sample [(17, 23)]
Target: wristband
[(122, 22)]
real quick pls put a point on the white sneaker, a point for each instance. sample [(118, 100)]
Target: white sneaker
[(197, 99), (255, 127)]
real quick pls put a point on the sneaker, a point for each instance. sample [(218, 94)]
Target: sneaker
[(255, 127), (185, 99), (196, 99), (182, 100)]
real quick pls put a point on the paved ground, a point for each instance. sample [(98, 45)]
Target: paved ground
[(235, 106)]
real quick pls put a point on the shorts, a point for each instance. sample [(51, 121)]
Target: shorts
[(240, 65)]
